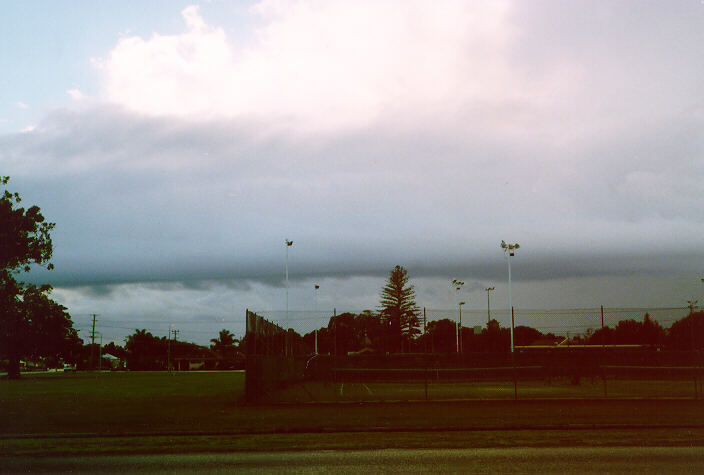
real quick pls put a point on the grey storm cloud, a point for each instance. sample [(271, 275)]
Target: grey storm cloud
[(574, 128), (216, 203)]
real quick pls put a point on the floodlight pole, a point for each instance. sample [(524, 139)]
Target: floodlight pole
[(459, 329), (317, 287), (488, 305), (510, 303), (288, 244), (457, 284), (509, 249)]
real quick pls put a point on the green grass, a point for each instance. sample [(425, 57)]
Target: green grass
[(22, 448), (487, 390), (118, 402), (202, 411)]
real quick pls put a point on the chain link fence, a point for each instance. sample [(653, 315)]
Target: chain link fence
[(566, 353)]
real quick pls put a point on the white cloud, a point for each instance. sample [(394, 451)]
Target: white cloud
[(29, 128), (21, 105), (321, 66), (75, 94), (453, 68), (447, 128)]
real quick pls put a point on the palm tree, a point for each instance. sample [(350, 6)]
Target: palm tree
[(224, 343)]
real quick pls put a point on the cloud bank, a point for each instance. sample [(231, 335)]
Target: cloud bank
[(372, 135)]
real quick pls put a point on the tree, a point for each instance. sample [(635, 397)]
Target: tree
[(225, 348), (114, 350), (24, 235), (686, 334), (629, 332), (145, 351), (225, 342), (31, 324), (399, 311), (441, 336)]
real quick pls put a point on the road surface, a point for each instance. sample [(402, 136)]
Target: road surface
[(517, 460)]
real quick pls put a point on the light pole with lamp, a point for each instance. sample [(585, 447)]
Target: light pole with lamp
[(288, 244), (509, 250), (317, 287), (457, 284), (488, 305)]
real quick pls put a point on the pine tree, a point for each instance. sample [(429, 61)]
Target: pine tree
[(399, 311)]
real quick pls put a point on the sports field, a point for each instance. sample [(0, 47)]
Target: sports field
[(156, 411), (484, 390)]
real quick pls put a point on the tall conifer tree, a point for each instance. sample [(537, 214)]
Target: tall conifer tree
[(399, 311)]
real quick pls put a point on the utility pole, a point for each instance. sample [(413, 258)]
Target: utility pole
[(92, 343), (175, 332), (488, 305), (425, 330), (168, 350), (692, 304)]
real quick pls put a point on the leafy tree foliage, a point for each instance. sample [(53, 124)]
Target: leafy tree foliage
[(115, 350), (31, 324), (440, 336), (148, 352), (398, 310), (629, 332), (350, 333), (145, 351), (225, 342), (226, 349), (24, 235), (687, 333), (347, 333), (47, 328)]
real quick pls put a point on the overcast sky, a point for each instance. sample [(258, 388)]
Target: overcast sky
[(177, 145)]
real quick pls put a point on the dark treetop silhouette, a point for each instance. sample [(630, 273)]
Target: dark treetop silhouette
[(31, 324)]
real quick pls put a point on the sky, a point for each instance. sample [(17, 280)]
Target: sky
[(177, 145)]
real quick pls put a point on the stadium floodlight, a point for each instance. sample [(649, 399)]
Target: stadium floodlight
[(509, 251), (488, 305), (288, 244)]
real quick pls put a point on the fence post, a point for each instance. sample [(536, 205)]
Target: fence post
[(513, 362), (603, 353), (692, 358), (425, 332), (425, 374)]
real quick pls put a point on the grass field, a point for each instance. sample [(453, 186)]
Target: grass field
[(119, 402), (484, 390), (144, 411)]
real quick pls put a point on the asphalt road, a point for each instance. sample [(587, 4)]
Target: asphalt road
[(509, 460)]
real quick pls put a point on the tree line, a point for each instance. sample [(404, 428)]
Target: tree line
[(36, 328), (395, 328), (357, 333)]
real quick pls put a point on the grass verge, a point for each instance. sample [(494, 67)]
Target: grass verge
[(91, 446)]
